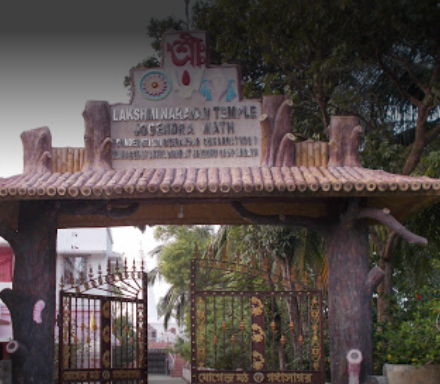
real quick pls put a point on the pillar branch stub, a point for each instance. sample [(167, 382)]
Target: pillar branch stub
[(97, 137), (375, 277), (352, 214), (344, 133), (276, 148), (37, 150), (384, 217)]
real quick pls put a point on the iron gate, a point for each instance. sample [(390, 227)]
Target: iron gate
[(157, 362), (103, 327), (270, 335)]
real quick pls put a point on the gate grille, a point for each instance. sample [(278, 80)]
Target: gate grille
[(240, 335), (103, 328), (157, 362)]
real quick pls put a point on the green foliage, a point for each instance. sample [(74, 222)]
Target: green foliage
[(283, 46), (412, 334), (380, 151), (179, 243), (183, 348), (416, 267), (431, 164), (156, 28), (123, 330), (174, 262), (339, 57), (295, 248)]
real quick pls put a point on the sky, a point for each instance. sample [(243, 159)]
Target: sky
[(55, 55), (130, 242)]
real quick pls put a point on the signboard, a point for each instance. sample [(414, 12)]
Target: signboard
[(186, 113)]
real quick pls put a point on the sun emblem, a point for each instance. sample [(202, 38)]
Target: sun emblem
[(155, 85)]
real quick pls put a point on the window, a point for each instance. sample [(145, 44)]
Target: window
[(152, 333), (75, 266)]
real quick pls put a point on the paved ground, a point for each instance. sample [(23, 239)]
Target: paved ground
[(164, 379)]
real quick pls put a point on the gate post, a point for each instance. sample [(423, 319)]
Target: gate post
[(349, 295), (106, 331), (31, 301), (258, 334), (144, 327), (193, 323)]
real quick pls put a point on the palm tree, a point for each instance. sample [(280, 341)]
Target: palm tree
[(174, 259), (297, 252)]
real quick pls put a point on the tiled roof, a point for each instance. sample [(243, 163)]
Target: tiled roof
[(133, 183)]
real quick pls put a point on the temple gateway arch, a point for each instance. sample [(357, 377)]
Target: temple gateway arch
[(188, 149)]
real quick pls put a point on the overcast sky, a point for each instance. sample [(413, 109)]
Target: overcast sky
[(54, 56)]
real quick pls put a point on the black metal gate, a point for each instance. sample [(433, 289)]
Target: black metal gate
[(103, 327), (270, 335), (157, 362)]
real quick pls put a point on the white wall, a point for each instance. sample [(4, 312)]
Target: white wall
[(95, 244), (81, 240)]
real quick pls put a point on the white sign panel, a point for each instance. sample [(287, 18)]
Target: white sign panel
[(186, 113)]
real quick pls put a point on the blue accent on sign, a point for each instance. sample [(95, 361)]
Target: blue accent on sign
[(205, 90), (230, 94)]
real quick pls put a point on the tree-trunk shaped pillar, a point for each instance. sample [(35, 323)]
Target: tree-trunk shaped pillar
[(97, 141), (37, 150), (277, 141), (31, 301), (351, 284), (344, 134), (349, 297)]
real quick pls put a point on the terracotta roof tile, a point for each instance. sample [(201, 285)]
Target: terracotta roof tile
[(219, 181)]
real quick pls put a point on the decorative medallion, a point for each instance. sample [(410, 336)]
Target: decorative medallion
[(106, 310), (258, 377), (105, 360), (106, 375), (106, 334), (155, 85)]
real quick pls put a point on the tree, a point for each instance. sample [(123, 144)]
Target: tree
[(345, 57), (174, 259), (284, 47), (295, 254), (378, 61), (401, 39), (288, 248)]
